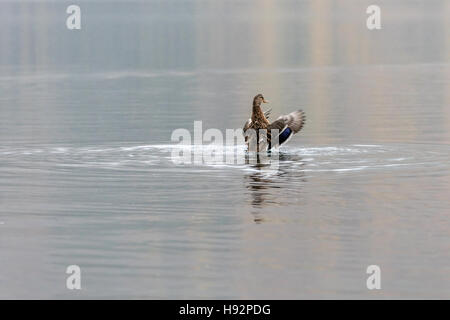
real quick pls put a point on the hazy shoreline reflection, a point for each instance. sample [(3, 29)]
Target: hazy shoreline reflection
[(87, 175)]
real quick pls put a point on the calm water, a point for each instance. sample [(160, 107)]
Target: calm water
[(87, 175)]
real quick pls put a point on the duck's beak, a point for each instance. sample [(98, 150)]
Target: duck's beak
[(265, 101)]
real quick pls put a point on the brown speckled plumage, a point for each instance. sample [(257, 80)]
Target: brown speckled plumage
[(285, 127)]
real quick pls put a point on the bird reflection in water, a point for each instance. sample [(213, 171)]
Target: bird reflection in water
[(273, 184)]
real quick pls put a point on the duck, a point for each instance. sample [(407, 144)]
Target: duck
[(258, 130)]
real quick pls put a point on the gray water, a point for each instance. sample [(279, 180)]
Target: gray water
[(87, 175)]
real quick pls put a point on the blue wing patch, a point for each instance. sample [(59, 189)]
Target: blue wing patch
[(284, 135)]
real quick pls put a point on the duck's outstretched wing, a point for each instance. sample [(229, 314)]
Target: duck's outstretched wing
[(287, 126), (245, 128), (247, 125)]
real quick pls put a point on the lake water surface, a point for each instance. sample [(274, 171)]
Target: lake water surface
[(87, 175)]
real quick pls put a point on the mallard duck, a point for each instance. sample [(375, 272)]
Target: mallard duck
[(260, 138)]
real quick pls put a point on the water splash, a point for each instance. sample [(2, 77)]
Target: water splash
[(314, 159)]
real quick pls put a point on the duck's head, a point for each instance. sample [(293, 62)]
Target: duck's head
[(259, 99)]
